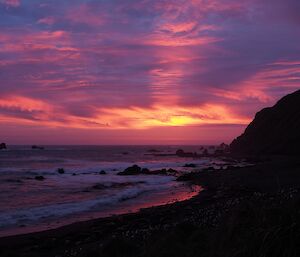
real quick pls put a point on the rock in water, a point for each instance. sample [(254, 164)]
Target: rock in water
[(275, 130), (133, 170), (35, 147), (145, 171), (180, 152), (190, 165), (3, 146), (61, 171), (39, 178)]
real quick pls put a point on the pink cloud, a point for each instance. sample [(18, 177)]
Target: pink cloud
[(84, 14), (47, 21), (29, 41), (282, 74), (43, 113), (144, 65), (11, 3)]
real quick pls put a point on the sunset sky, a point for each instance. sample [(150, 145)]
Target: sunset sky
[(142, 71)]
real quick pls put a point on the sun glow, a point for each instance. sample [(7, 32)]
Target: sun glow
[(37, 112), (164, 116)]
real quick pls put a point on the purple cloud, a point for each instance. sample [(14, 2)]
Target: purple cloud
[(81, 58)]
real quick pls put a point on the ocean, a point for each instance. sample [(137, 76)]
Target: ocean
[(81, 192)]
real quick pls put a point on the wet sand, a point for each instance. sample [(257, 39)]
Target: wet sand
[(181, 192)]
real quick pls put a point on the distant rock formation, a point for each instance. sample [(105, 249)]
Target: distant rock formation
[(190, 165), (275, 130), (3, 146), (137, 170), (153, 151), (60, 171), (182, 153), (35, 147), (133, 170), (40, 178), (223, 146)]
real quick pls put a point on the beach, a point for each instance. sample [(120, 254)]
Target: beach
[(55, 186), (147, 128), (230, 198)]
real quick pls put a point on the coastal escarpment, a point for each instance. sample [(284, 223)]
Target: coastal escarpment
[(274, 130)]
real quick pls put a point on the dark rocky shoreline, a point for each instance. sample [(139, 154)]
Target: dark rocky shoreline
[(185, 228)]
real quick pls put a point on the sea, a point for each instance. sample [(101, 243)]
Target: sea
[(82, 192)]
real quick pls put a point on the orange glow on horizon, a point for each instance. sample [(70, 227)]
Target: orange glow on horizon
[(166, 116), (120, 118)]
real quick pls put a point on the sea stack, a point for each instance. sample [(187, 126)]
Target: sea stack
[(274, 130), (3, 146), (35, 147)]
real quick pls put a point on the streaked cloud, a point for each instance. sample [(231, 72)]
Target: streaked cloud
[(145, 65), (11, 3)]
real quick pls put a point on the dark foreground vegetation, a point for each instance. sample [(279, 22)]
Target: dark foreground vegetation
[(252, 211)]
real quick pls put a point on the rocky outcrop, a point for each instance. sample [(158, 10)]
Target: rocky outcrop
[(153, 151), (181, 153), (40, 178), (3, 146), (133, 170), (275, 130), (60, 171), (136, 170), (35, 147), (190, 165)]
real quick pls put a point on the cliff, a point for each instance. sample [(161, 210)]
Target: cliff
[(274, 130)]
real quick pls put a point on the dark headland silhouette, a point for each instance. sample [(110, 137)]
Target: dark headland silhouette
[(275, 130)]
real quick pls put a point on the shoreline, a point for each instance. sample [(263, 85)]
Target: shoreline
[(182, 192), (223, 192), (108, 227)]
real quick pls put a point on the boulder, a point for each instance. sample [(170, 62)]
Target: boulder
[(133, 170), (61, 171), (180, 152), (136, 170), (35, 147), (172, 171), (159, 172), (145, 171), (3, 146), (102, 172), (190, 165), (40, 178), (153, 151)]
